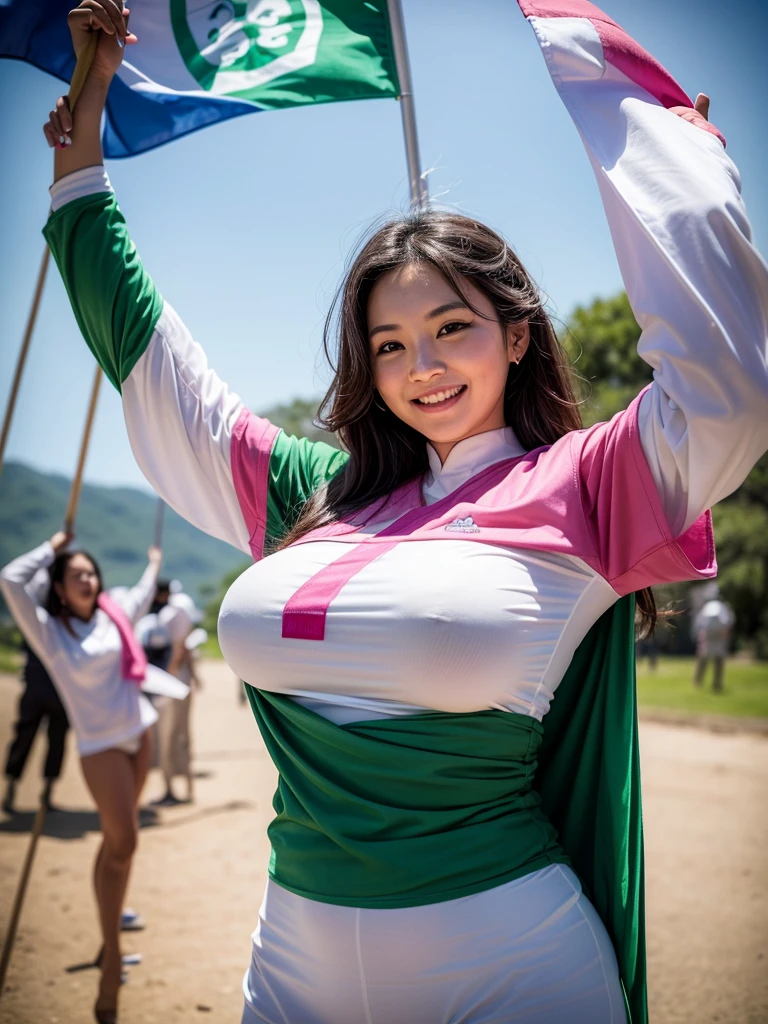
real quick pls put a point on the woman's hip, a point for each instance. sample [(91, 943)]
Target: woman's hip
[(533, 949)]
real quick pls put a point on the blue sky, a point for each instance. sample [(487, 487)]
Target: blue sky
[(245, 226)]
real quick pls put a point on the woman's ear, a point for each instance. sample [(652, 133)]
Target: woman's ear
[(518, 336)]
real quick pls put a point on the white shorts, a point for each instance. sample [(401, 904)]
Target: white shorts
[(532, 950), (131, 746)]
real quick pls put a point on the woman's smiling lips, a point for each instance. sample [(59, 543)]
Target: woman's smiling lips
[(439, 399)]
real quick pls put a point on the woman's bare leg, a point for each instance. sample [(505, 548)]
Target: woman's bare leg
[(114, 779), (142, 762)]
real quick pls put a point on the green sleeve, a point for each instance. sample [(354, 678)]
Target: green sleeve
[(115, 303), (297, 468)]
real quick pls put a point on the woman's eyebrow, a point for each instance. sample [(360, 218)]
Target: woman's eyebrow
[(446, 308), (383, 327), (437, 311)]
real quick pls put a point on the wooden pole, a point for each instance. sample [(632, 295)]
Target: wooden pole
[(82, 68), (77, 482), (21, 361), (21, 889), (79, 76), (159, 515)]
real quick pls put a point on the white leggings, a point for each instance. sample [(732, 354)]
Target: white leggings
[(532, 950)]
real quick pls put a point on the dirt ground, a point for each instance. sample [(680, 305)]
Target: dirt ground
[(200, 870)]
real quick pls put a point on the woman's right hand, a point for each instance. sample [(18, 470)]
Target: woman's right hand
[(110, 19), (60, 539)]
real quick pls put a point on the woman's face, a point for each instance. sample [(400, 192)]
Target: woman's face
[(437, 365), (80, 586)]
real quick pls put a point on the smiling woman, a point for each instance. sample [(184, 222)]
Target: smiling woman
[(436, 361), (439, 652), (434, 303)]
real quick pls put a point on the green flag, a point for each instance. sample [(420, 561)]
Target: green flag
[(198, 62), (283, 53)]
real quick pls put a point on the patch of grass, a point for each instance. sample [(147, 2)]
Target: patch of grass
[(10, 659), (211, 649), (671, 686)]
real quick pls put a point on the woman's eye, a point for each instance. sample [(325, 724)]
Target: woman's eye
[(387, 347), (452, 327)]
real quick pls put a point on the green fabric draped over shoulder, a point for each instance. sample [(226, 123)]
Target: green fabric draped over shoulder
[(589, 783), (428, 807)]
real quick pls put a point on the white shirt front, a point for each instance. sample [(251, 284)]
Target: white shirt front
[(455, 626)]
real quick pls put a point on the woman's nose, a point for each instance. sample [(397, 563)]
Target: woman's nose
[(426, 363)]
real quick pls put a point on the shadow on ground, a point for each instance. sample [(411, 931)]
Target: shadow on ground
[(62, 824)]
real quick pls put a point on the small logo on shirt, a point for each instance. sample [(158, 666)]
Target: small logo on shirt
[(463, 526)]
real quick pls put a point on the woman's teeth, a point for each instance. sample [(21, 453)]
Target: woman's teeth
[(440, 396)]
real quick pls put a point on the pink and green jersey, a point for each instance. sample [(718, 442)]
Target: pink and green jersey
[(567, 528)]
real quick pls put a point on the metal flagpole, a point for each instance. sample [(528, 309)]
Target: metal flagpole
[(419, 191)]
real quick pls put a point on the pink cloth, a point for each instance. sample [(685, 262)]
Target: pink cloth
[(252, 441), (134, 664)]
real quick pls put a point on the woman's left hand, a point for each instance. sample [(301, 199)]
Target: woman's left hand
[(155, 556)]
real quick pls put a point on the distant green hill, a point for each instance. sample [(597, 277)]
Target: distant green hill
[(115, 524)]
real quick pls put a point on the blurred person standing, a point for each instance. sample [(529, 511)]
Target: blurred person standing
[(163, 633), (180, 746), (39, 700), (713, 626), (152, 629)]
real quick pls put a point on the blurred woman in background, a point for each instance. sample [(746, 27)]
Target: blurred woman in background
[(85, 640)]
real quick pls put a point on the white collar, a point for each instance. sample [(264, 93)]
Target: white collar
[(468, 458)]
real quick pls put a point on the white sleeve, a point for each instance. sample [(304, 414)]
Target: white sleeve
[(135, 601), (697, 286), (180, 418), (34, 622)]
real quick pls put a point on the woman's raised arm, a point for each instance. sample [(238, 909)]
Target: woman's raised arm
[(136, 600), (16, 579), (230, 473), (696, 283)]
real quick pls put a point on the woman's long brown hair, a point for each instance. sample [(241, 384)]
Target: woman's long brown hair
[(384, 452)]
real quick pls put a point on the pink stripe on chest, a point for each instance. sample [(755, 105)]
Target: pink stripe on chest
[(305, 613)]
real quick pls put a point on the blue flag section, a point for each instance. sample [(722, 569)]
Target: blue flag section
[(198, 62)]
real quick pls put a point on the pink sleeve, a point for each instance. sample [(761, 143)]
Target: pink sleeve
[(631, 539), (252, 442)]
